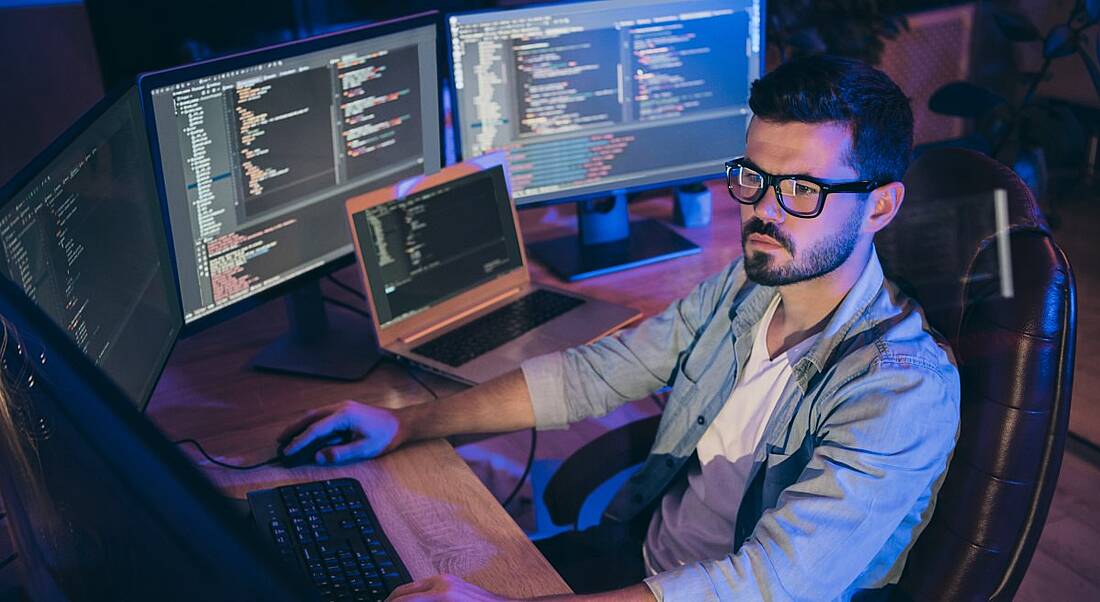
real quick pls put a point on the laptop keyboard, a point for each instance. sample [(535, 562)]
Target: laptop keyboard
[(497, 328), (328, 529)]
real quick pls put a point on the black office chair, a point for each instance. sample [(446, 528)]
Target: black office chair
[(1015, 360)]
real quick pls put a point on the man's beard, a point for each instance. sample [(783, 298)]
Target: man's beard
[(818, 260)]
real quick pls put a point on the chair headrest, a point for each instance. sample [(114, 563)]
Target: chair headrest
[(946, 221), (941, 174)]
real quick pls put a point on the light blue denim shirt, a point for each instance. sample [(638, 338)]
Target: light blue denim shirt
[(845, 476)]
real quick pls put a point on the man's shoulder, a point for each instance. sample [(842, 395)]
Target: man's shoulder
[(893, 333), (902, 370), (900, 344)]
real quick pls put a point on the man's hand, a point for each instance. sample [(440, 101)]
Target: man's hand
[(377, 430), (498, 406), (442, 588)]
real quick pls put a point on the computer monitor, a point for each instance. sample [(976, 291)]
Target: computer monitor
[(100, 505), (596, 99), (82, 235), (257, 153)]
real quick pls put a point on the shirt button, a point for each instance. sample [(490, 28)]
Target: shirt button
[(701, 420), (669, 463)]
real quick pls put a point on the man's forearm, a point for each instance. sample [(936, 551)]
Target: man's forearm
[(500, 405)]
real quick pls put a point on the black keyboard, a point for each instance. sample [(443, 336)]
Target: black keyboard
[(328, 530), (498, 327)]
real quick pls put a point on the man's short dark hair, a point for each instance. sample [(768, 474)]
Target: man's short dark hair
[(822, 89)]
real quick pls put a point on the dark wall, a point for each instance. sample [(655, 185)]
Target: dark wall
[(134, 36), (48, 77)]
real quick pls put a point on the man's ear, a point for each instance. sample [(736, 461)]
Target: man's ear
[(885, 202)]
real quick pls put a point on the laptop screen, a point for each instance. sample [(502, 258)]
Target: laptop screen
[(437, 243)]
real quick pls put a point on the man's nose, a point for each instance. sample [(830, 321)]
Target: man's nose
[(767, 208)]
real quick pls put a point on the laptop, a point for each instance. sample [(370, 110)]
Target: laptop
[(444, 267)]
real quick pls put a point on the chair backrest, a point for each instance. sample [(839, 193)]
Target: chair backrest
[(1015, 355)]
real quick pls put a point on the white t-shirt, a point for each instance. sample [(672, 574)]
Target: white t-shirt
[(695, 521)]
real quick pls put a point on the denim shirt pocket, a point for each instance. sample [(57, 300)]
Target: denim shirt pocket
[(711, 349), (783, 468)]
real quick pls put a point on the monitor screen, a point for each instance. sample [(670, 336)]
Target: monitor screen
[(259, 151), (592, 97), (100, 505), (82, 234), (435, 244)]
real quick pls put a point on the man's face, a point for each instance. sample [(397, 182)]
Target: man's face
[(782, 249)]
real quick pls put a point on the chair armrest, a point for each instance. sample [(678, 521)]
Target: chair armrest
[(593, 464)]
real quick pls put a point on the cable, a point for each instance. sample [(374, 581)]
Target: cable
[(202, 451), (347, 306), (344, 286), (526, 470), (412, 375), (530, 454), (10, 559)]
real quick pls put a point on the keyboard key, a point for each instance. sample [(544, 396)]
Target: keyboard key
[(498, 327), (351, 558)]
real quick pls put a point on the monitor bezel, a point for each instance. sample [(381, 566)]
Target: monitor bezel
[(568, 197), (147, 82), (60, 144)]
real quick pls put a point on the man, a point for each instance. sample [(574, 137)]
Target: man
[(812, 413)]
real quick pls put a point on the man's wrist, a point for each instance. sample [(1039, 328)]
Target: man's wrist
[(410, 422)]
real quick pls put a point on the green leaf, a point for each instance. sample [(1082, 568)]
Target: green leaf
[(964, 99), (1015, 26), (1060, 42)]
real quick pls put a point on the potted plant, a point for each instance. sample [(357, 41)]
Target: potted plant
[(1028, 133)]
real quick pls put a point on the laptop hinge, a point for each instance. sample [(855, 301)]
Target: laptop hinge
[(445, 323)]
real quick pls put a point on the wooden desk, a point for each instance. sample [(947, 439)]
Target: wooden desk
[(440, 518)]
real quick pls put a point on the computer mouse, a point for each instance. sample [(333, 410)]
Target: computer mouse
[(307, 454)]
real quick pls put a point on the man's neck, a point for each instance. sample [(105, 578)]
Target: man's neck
[(805, 307)]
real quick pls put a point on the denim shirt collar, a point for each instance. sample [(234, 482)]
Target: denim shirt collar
[(745, 315)]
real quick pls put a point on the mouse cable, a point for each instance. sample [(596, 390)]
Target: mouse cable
[(530, 454), (202, 451), (526, 469), (412, 374), (344, 285), (347, 306)]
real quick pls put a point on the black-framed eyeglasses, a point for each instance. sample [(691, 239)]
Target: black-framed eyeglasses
[(798, 195)]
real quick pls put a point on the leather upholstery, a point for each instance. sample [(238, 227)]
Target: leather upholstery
[(1015, 357), (593, 464)]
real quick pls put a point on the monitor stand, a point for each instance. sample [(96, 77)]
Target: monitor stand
[(608, 242), (339, 345)]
